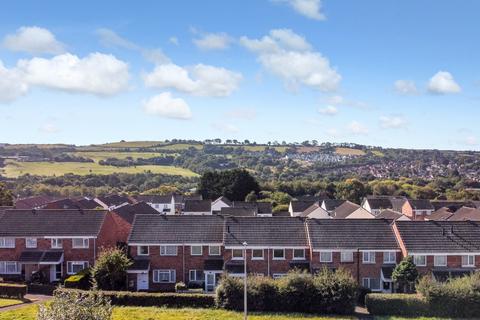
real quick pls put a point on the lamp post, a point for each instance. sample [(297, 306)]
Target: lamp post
[(245, 280)]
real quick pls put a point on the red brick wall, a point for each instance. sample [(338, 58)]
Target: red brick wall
[(114, 230), (452, 262)]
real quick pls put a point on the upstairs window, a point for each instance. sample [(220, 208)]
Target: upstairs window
[(196, 250), (389, 257), (31, 243), (326, 256), (257, 254), (298, 254), (168, 250), (80, 243), (368, 257), (7, 243), (468, 260), (346, 256), (440, 261), (214, 250), (237, 254), (420, 261), (57, 243), (143, 250), (278, 254)]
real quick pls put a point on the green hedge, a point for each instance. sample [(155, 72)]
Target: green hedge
[(396, 304), (80, 280), (143, 299), (11, 290)]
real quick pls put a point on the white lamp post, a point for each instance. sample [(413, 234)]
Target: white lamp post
[(245, 280)]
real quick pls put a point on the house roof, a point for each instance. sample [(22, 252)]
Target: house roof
[(310, 209), (87, 203), (62, 204), (114, 200), (465, 213), (154, 198), (25, 223), (33, 202), (170, 229), (452, 205), (223, 199), (238, 212), (345, 209), (281, 214), (441, 214), (398, 203), (300, 205), (129, 211), (351, 234), (389, 215), (198, 206), (421, 204), (261, 207), (264, 207), (379, 203), (440, 236), (265, 231), (332, 204)]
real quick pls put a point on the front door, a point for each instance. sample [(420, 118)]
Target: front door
[(142, 281), (210, 282), (55, 272)]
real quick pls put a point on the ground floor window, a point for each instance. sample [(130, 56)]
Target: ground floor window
[(278, 275), (196, 275), (371, 283), (9, 267), (164, 276), (76, 266)]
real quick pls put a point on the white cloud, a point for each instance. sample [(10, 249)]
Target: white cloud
[(12, 84), (97, 73), (442, 83), (289, 56), (174, 40), (164, 105), (225, 127), (392, 122), (328, 110), (34, 40), (356, 127), (336, 100), (308, 8), (199, 80), (471, 141), (406, 87), (48, 128), (213, 41), (242, 113)]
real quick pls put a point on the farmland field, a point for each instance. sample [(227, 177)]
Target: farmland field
[(180, 146), (103, 155), (349, 152)]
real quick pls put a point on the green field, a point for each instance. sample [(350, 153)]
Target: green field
[(14, 169), (103, 155), (9, 302), (180, 146), (349, 152), (130, 144)]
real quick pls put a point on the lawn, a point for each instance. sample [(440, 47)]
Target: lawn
[(14, 169), (349, 152), (103, 155), (9, 302)]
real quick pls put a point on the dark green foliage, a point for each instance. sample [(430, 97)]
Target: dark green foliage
[(233, 184), (405, 274), (352, 189), (110, 270), (362, 293), (80, 280), (144, 299), (8, 290), (396, 304), (6, 197)]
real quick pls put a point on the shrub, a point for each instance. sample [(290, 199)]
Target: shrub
[(110, 270), (262, 294), (144, 299), (229, 293), (405, 274), (297, 291), (336, 292), (396, 304), (11, 290), (362, 293), (80, 280), (180, 286), (72, 305)]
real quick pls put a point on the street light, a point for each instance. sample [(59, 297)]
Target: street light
[(245, 280)]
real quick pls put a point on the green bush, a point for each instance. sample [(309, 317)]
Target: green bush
[(337, 292), (229, 293), (144, 299), (262, 294), (11, 290), (396, 304), (80, 280), (180, 286), (110, 270), (297, 292), (362, 293)]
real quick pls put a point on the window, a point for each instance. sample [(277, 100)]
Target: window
[(214, 250), (298, 254), (368, 257), (196, 275), (257, 254), (389, 257), (143, 250), (80, 243), (31, 243), (371, 283), (278, 254), (237, 254), (440, 261), (7, 242), (196, 250), (326, 256), (278, 275), (164, 276), (168, 250), (420, 261), (76, 266), (9, 267), (57, 243), (346, 256), (468, 261)]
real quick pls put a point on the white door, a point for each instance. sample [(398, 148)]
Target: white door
[(142, 281), (210, 281)]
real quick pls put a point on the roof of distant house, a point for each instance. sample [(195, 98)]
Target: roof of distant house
[(398, 203), (62, 204), (224, 200), (33, 202), (128, 212), (389, 215), (114, 200), (154, 198), (421, 204), (466, 213), (301, 205), (345, 209), (452, 205), (332, 204), (87, 203), (441, 214), (379, 203), (198, 206), (238, 212)]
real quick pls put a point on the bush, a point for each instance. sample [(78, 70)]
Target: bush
[(110, 270), (362, 293), (180, 286), (396, 304), (297, 292), (337, 292), (144, 299), (229, 293), (80, 280), (37, 288), (11, 290)]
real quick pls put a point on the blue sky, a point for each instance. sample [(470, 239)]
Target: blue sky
[(389, 73)]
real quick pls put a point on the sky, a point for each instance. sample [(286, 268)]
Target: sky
[(386, 73)]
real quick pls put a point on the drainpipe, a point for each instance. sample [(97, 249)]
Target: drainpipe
[(268, 261), (358, 266), (94, 250)]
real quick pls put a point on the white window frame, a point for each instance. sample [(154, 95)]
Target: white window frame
[(139, 251), (468, 257), (4, 267), (278, 275), (345, 258), (85, 243), (31, 243), (70, 265), (164, 251), (418, 256), (56, 243), (196, 254), (278, 258), (258, 250), (171, 275), (328, 259), (367, 257), (436, 262), (196, 273), (369, 281), (237, 257), (7, 243), (214, 254), (298, 258), (387, 257)]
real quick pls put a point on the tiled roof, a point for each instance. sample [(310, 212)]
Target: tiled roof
[(166, 229), (154, 198), (198, 206), (238, 212), (265, 231), (379, 203), (452, 205), (87, 204), (300, 205), (332, 204), (441, 214), (398, 203), (352, 234), (345, 209), (421, 204), (25, 223), (465, 213), (129, 211), (440, 236), (114, 200), (62, 204), (225, 200), (38, 256), (389, 215), (33, 202)]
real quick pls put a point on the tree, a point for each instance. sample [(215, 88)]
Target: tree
[(405, 274), (233, 184), (110, 271), (251, 197), (6, 197), (351, 189)]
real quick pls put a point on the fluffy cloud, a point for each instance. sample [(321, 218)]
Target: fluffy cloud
[(405, 87), (357, 128), (225, 127), (164, 105), (289, 56), (199, 80), (12, 84), (213, 41), (443, 83), (308, 8), (392, 122), (97, 73), (34, 40), (328, 110), (174, 40)]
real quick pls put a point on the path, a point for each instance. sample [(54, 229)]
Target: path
[(33, 299)]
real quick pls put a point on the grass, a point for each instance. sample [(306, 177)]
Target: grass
[(378, 153), (9, 302), (180, 146), (103, 155), (14, 169), (130, 144), (349, 152)]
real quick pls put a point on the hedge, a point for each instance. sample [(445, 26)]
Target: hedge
[(144, 299), (11, 290), (397, 304), (80, 280)]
